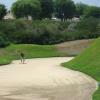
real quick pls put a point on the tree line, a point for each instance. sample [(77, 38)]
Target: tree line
[(47, 32), (41, 9)]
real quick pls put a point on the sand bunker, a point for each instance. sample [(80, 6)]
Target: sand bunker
[(44, 79)]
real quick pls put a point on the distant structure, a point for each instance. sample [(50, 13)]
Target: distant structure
[(55, 19), (9, 15), (75, 19)]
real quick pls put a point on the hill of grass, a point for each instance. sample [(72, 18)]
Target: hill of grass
[(89, 63), (31, 51), (73, 48)]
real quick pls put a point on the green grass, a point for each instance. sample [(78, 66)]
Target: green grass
[(89, 63), (31, 51)]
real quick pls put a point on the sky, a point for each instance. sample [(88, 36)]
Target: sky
[(8, 3)]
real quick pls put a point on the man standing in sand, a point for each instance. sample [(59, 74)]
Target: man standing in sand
[(22, 57)]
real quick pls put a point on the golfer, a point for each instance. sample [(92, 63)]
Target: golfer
[(22, 57)]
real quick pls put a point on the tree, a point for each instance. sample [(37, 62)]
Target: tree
[(80, 8), (3, 40), (89, 26), (3, 11), (47, 8), (92, 11), (26, 8), (65, 9)]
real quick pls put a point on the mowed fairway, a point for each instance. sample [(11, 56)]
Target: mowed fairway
[(12, 52), (70, 48), (44, 79)]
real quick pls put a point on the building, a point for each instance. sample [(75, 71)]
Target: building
[(9, 15)]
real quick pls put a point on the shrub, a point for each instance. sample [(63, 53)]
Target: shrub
[(3, 40), (88, 27), (48, 31)]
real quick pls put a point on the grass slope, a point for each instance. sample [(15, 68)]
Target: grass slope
[(35, 51), (89, 63), (31, 51), (73, 48)]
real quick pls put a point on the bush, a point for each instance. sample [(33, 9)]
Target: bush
[(3, 41), (38, 32), (48, 31), (88, 27)]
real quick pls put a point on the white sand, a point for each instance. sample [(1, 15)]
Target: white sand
[(44, 79)]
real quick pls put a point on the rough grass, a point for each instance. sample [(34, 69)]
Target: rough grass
[(31, 51), (73, 48), (89, 63)]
